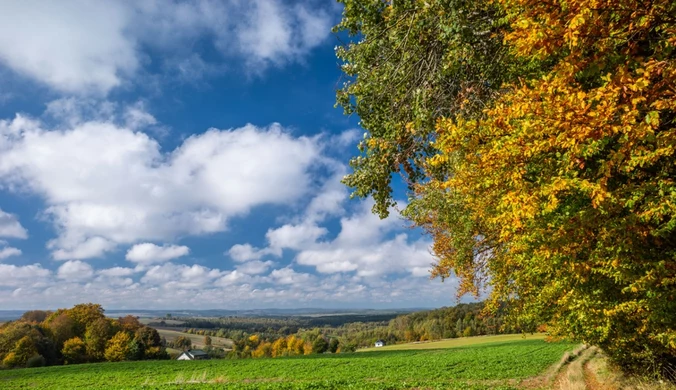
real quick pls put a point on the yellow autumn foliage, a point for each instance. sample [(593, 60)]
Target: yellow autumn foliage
[(561, 195)]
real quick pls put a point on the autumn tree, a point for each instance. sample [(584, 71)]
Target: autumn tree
[(148, 336), (23, 350), (118, 348), (96, 337), (264, 349), (41, 338), (279, 347), (74, 351), (149, 343), (559, 189), (182, 342), (207, 340), (307, 348), (129, 323), (35, 316), (85, 314), (62, 328), (15, 337)]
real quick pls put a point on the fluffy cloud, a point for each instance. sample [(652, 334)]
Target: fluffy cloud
[(10, 226), (83, 248), (116, 271), (289, 276), (72, 45), (381, 258), (246, 252), (75, 270), (365, 244), (16, 276), (8, 252), (71, 112), (93, 46), (148, 253), (294, 236), (180, 276), (107, 185), (254, 267), (275, 32)]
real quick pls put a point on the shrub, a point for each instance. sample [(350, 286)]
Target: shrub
[(36, 361)]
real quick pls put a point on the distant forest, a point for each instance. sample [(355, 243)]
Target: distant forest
[(342, 333)]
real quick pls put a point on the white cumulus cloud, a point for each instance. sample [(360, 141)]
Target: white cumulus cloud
[(9, 252), (254, 267), (93, 46), (75, 270), (365, 244), (148, 253), (26, 276), (106, 185), (116, 271), (9, 224), (72, 46)]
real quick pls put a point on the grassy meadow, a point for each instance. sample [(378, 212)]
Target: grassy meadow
[(457, 342), (498, 365)]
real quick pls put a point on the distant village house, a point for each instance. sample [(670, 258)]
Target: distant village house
[(380, 343), (193, 354)]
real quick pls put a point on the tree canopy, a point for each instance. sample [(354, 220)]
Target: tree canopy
[(76, 335), (409, 65), (554, 183)]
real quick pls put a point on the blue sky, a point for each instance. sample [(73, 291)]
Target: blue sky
[(187, 154)]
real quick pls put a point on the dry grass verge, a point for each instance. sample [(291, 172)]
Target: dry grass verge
[(589, 369), (611, 378)]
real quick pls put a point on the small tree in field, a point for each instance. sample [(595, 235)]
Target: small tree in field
[(320, 345), (333, 345), (182, 342)]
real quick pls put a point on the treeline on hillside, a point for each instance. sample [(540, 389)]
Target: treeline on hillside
[(80, 334), (286, 325), (278, 340)]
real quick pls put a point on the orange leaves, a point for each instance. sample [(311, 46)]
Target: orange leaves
[(576, 26)]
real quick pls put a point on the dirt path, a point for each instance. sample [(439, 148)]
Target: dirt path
[(591, 380), (589, 369), (576, 375)]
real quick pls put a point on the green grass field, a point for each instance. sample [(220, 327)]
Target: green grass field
[(484, 366), (459, 342)]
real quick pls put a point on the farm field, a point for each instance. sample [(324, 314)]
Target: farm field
[(169, 322), (197, 340), (497, 365), (457, 342)]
